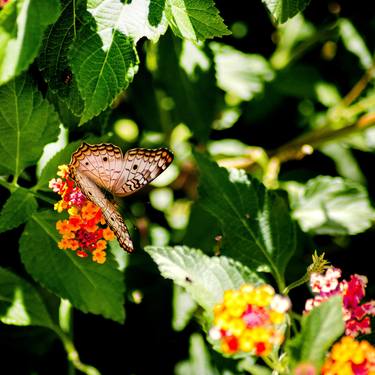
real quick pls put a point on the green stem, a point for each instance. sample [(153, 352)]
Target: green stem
[(293, 149), (43, 197), (279, 280), (7, 185), (12, 187), (64, 333), (273, 362), (304, 279)]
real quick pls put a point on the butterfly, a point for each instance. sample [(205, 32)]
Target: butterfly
[(104, 166)]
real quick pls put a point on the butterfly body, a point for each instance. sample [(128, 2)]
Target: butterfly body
[(105, 166)]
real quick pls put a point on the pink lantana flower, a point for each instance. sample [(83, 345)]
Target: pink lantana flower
[(356, 315)]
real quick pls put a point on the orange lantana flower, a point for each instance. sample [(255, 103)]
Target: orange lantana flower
[(85, 232)]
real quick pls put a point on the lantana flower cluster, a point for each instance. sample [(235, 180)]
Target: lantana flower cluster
[(349, 356), (356, 316), (84, 231), (250, 320)]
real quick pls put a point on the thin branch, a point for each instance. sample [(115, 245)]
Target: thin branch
[(358, 88), (302, 146)]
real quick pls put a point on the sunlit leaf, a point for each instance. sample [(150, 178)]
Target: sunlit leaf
[(240, 74), (89, 286), (195, 19), (22, 24), (20, 303), (204, 278), (135, 19), (331, 205)]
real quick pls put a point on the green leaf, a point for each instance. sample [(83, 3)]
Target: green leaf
[(204, 278), (135, 19), (17, 209), (22, 24), (257, 228), (183, 308), (193, 87), (27, 123), (53, 59), (320, 328), (240, 74), (282, 10), (20, 303), (199, 361), (103, 64), (331, 205), (195, 19), (202, 230), (51, 168), (103, 57), (354, 43), (90, 287)]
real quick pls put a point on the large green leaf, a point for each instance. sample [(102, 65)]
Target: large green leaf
[(17, 209), (103, 63), (331, 205), (188, 75), (195, 19), (27, 123), (89, 286), (20, 303), (103, 57), (256, 225), (22, 24), (202, 230), (282, 10), (53, 59), (320, 328), (204, 278)]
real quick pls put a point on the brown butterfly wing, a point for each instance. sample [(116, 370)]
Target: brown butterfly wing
[(110, 213), (101, 163), (140, 167)]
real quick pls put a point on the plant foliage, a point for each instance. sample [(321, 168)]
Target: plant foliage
[(268, 109)]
